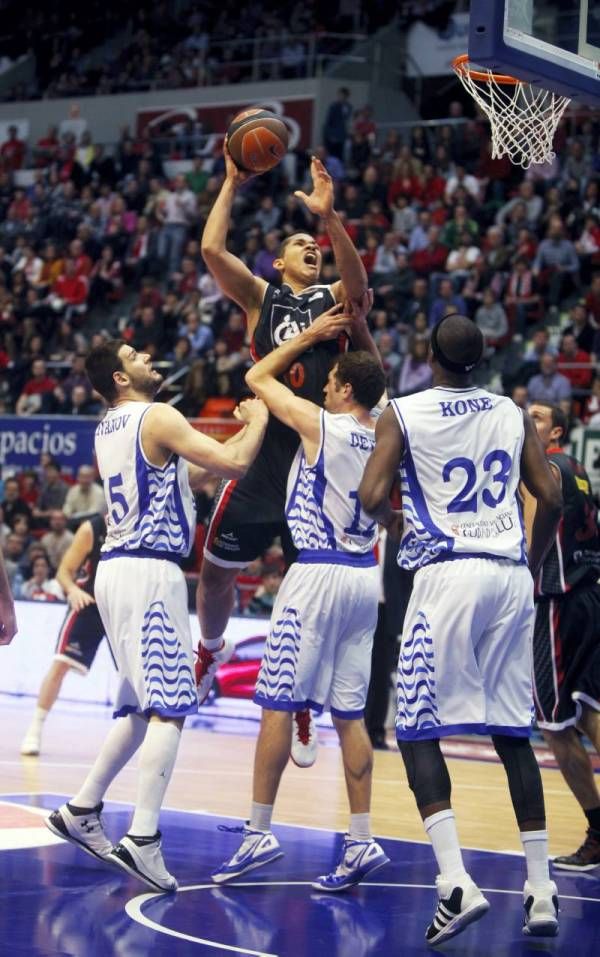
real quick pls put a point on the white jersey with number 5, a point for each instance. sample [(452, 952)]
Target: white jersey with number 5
[(323, 509), (459, 476), (150, 509)]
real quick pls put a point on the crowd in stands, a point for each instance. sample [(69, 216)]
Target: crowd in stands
[(175, 45), (102, 242)]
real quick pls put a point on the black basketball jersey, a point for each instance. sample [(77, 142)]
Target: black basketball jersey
[(574, 558), (88, 572), (283, 316)]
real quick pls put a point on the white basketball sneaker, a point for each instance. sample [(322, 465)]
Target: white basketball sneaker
[(32, 742), (541, 910), (304, 739), (460, 903), (257, 848), (85, 830), (142, 858)]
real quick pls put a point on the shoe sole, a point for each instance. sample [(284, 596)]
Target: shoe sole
[(224, 878), (541, 928), (73, 840), (134, 872), (30, 753), (461, 922), (575, 867), (343, 887), (305, 764)]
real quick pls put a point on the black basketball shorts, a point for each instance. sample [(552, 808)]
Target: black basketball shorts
[(79, 638), (566, 657)]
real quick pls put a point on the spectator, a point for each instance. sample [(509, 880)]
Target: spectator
[(556, 264), (14, 552), (575, 364), (389, 357), (70, 292), (581, 327), (432, 258), (522, 300), (533, 205), (549, 385), (52, 493), (86, 497), (41, 587), (263, 264), (491, 319), (197, 177), (415, 374), (12, 151), (337, 119), (58, 539), (12, 503), (36, 395), (262, 601), (268, 215), (199, 335), (446, 297), (106, 278), (176, 211)]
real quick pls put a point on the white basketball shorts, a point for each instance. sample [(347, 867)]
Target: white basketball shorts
[(143, 604), (466, 655), (318, 652)]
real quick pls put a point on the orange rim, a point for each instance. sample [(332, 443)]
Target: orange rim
[(461, 65)]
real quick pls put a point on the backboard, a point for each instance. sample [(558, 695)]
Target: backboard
[(554, 44)]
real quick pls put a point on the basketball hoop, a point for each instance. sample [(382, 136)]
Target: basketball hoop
[(523, 117)]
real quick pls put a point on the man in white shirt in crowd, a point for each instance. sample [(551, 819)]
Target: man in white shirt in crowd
[(86, 497)]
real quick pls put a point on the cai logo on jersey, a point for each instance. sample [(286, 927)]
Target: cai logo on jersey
[(289, 323)]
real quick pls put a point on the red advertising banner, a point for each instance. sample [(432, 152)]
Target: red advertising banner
[(214, 118)]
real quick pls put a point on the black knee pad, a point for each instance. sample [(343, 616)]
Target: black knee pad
[(426, 771), (524, 778)]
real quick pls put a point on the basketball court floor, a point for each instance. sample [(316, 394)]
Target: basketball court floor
[(56, 900)]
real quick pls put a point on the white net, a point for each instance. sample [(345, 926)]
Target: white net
[(523, 118)]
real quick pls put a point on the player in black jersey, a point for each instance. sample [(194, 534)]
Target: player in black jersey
[(82, 630), (250, 512), (566, 642)]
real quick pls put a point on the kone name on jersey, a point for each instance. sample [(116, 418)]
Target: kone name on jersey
[(462, 406)]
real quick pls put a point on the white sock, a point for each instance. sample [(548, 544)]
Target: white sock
[(441, 830), (212, 644), (260, 817), (122, 741), (535, 845), (39, 716), (155, 767), (360, 827)]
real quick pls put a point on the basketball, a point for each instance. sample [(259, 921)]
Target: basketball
[(257, 140)]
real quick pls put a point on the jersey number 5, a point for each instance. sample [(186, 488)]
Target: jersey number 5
[(120, 508)]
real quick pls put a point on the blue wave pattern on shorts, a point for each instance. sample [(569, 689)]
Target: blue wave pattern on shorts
[(417, 701), (160, 526), (278, 669), (169, 680)]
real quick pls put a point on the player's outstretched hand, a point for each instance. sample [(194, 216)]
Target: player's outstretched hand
[(8, 621), (320, 201), (78, 598), (330, 324), (251, 410), (233, 173)]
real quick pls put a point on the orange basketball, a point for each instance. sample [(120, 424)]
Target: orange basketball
[(257, 140)]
